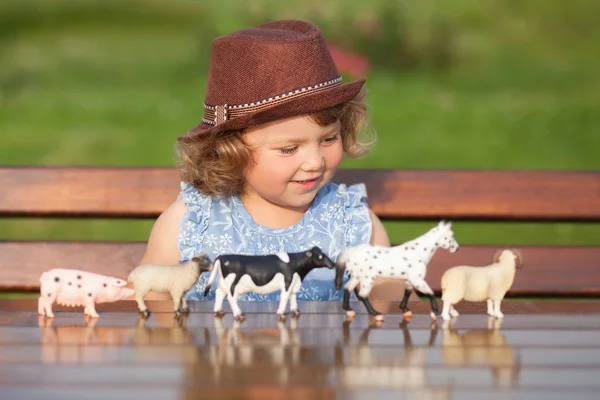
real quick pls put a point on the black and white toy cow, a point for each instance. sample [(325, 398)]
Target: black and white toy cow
[(264, 274)]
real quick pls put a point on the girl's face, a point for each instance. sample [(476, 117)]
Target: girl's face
[(293, 159)]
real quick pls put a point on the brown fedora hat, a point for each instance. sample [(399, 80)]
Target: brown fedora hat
[(272, 71)]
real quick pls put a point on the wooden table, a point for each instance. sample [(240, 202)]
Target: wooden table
[(546, 349)]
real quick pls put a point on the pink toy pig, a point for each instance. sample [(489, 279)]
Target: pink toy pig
[(71, 287)]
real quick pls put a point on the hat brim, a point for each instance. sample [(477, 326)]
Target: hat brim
[(299, 106)]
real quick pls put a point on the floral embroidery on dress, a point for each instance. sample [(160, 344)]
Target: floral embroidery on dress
[(338, 218)]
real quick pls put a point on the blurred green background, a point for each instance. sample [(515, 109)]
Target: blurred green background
[(461, 84)]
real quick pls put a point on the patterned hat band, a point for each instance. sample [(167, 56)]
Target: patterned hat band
[(215, 115)]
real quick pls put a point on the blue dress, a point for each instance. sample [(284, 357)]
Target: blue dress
[(338, 218)]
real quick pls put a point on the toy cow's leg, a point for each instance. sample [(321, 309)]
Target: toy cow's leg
[(404, 303), (284, 297), (294, 305), (423, 288), (237, 312), (219, 297), (291, 283), (226, 288), (293, 297)]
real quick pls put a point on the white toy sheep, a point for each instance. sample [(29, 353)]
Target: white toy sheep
[(173, 279), (472, 283)]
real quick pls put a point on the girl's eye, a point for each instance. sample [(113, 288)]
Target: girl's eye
[(289, 150), (331, 139)]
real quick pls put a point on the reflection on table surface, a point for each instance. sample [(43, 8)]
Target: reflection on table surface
[(317, 354), (227, 347)]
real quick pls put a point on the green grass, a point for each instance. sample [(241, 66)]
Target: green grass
[(114, 83), (18, 295)]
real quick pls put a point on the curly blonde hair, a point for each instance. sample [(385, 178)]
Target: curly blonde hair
[(215, 163)]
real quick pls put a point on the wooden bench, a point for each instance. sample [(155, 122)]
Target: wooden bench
[(91, 192)]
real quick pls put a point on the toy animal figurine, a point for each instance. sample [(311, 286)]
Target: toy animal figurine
[(472, 283), (264, 274), (173, 279), (72, 288), (407, 261)]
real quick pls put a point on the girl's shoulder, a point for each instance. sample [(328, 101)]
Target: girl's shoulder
[(198, 204), (191, 195), (336, 195)]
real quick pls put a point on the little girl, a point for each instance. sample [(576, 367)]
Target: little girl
[(256, 171)]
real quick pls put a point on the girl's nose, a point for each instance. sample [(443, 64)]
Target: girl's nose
[(314, 162)]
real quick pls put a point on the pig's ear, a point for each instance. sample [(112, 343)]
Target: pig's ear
[(120, 282)]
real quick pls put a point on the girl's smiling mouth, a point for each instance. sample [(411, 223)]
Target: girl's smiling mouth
[(307, 183)]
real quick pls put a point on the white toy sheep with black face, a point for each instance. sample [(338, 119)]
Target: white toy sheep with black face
[(488, 283), (407, 261)]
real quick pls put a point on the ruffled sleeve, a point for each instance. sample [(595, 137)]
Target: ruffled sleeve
[(357, 220), (194, 222)]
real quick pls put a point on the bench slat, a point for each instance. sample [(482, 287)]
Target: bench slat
[(549, 270), (393, 194)]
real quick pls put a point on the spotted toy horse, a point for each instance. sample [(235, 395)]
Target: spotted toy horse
[(406, 261)]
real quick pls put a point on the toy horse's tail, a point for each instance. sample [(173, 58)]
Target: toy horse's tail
[(213, 274), (340, 268)]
